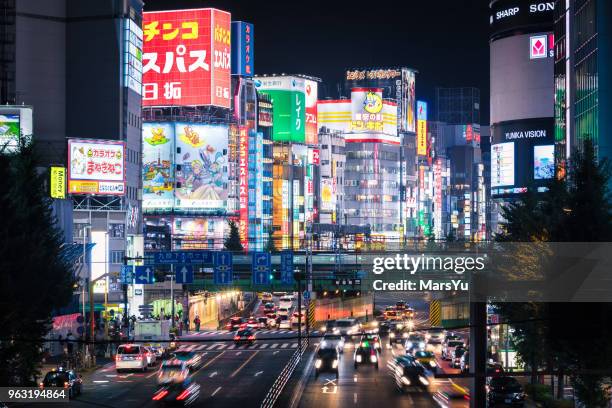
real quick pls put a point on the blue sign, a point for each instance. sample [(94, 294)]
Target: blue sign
[(261, 266), (222, 273), (126, 275), (243, 50), (144, 275), (184, 273), (421, 110), (287, 267), (182, 257), (306, 295)]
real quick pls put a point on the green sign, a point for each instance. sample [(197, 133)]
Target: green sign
[(289, 115)]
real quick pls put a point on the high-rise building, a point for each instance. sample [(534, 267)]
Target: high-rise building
[(583, 77), (458, 106)]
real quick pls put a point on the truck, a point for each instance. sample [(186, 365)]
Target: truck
[(154, 334)]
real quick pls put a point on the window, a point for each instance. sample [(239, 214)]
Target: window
[(116, 257), (116, 230)]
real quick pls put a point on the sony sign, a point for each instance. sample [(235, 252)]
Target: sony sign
[(539, 7)]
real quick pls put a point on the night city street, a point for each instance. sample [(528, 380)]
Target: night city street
[(258, 204)]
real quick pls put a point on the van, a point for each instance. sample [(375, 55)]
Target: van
[(285, 302)]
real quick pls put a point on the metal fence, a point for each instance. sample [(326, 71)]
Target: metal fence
[(284, 376)]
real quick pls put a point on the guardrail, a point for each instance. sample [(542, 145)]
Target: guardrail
[(284, 376)]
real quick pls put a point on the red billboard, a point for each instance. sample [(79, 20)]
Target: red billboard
[(186, 58)]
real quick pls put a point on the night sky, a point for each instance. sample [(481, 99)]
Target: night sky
[(445, 40)]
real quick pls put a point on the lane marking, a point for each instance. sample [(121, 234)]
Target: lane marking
[(264, 345), (213, 374), (285, 345), (213, 359), (258, 373), (100, 381), (294, 345), (215, 391), (231, 347), (239, 353), (152, 374), (232, 375), (355, 397), (275, 345)]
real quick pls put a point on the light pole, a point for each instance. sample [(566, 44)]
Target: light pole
[(84, 277)]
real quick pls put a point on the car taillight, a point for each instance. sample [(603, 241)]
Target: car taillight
[(66, 384), (41, 385), (236, 337), (251, 337), (182, 395), (117, 357), (160, 395), (229, 326)]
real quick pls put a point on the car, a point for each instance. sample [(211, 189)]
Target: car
[(269, 307), (67, 379), (131, 357), (244, 336), (398, 332), (192, 359), (409, 313), (464, 364), (383, 325), (284, 322), (252, 323), (373, 339), (156, 348), (448, 350), (365, 354), (279, 293), (331, 340), (327, 360), (435, 335), (450, 336), (494, 368), (285, 302), (263, 322), (348, 327), (296, 316), (283, 311), (426, 358), (414, 342), (175, 385), (330, 327), (400, 306), (409, 374), (236, 323), (392, 315), (505, 390), (266, 297), (151, 356), (271, 319), (456, 358)]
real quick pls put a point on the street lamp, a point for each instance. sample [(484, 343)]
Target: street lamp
[(84, 276)]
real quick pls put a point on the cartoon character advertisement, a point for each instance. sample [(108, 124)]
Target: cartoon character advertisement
[(157, 169), (201, 166)]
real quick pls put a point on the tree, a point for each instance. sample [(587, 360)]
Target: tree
[(232, 242), (35, 279)]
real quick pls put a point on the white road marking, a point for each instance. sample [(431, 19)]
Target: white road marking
[(294, 345), (264, 345), (221, 346), (100, 381), (285, 345), (275, 345), (231, 347), (216, 391), (355, 397), (213, 374), (200, 347), (276, 352), (257, 373), (238, 353)]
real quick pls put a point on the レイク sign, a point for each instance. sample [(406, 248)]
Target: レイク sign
[(186, 59), (96, 167)]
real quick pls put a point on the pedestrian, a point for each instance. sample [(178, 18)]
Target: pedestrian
[(196, 321)]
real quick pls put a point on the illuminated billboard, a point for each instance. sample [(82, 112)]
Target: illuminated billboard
[(201, 155), (408, 100), (543, 162), (421, 128), (289, 100), (311, 93), (186, 58), (502, 164), (243, 49), (132, 64), (157, 166), (57, 185), (366, 110), (243, 186), (15, 125), (96, 167), (328, 194)]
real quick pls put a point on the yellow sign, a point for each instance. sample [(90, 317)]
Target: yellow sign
[(422, 137), (58, 182)]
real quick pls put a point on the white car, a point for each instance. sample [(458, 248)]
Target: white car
[(448, 351), (294, 319), (151, 356), (131, 357), (285, 323), (266, 297), (435, 335), (285, 302), (283, 311), (348, 327), (330, 340)]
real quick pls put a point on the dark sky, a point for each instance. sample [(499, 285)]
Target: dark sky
[(445, 40)]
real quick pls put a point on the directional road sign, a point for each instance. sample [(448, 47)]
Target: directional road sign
[(126, 275), (287, 267), (222, 272), (261, 266), (182, 257), (184, 273), (306, 295), (144, 274)]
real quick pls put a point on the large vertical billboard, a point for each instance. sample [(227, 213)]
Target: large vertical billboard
[(186, 58), (243, 186), (96, 167), (421, 128), (15, 127), (289, 106), (157, 166), (132, 54), (243, 49), (311, 94), (408, 101), (201, 167)]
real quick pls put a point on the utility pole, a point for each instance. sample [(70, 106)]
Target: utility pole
[(478, 353), (172, 293)]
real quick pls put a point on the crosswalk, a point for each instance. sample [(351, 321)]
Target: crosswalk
[(225, 346), (221, 332)]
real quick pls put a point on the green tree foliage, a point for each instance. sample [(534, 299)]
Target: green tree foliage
[(34, 280), (232, 242)]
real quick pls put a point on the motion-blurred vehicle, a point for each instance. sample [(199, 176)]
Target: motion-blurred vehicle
[(435, 335), (296, 316), (451, 336), (415, 342), (263, 322), (456, 358), (448, 350), (373, 339), (279, 293), (284, 322), (365, 354), (285, 302), (398, 332), (156, 348), (272, 320), (505, 390), (192, 359), (269, 307), (327, 360), (131, 357), (409, 313), (151, 356), (348, 327), (283, 311), (331, 340), (236, 323), (266, 297), (464, 365), (427, 359), (393, 315), (252, 323), (409, 374), (330, 327), (67, 379), (244, 336), (175, 386), (383, 325)]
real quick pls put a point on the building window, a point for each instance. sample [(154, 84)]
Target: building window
[(116, 257), (116, 230)]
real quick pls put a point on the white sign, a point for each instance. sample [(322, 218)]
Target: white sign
[(502, 164)]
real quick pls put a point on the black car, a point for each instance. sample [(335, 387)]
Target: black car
[(507, 391), (409, 374), (236, 323), (383, 326), (366, 354), (245, 336), (327, 361), (67, 379), (398, 332)]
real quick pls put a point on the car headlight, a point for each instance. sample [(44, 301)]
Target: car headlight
[(423, 380), (392, 335), (405, 335), (421, 344), (400, 326), (519, 396), (410, 325), (323, 329), (428, 336), (335, 364), (358, 358), (373, 359), (432, 364), (318, 363), (323, 343), (405, 380), (336, 331), (374, 324)]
